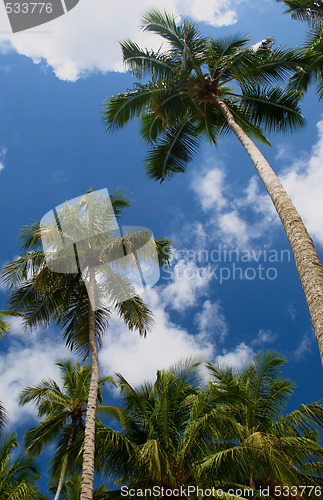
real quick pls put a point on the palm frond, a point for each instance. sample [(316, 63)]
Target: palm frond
[(172, 152), (273, 108)]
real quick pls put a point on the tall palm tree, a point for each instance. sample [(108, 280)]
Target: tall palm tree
[(64, 411), (270, 448), (79, 301), (17, 477), (201, 86)]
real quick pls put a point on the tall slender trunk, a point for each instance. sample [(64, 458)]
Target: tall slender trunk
[(307, 262), (64, 466), (89, 432)]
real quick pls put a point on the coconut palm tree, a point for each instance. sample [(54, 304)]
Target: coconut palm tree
[(64, 410), (79, 300), (201, 86), (270, 449), (17, 477)]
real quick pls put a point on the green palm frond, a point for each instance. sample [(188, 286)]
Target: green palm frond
[(172, 152), (123, 107), (139, 61), (273, 108), (305, 10), (164, 24), (5, 321)]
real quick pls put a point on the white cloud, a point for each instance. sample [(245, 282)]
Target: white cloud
[(3, 152), (211, 320), (263, 337), (86, 38), (239, 221), (29, 359), (209, 188), (138, 359), (304, 184), (186, 283), (304, 346), (237, 359)]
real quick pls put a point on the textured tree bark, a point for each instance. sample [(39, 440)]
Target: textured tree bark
[(307, 262), (64, 466), (89, 432)]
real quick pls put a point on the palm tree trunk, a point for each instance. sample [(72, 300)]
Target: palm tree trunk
[(64, 466), (307, 262), (89, 432)]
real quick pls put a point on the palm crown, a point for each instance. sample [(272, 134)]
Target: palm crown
[(178, 103), (63, 411)]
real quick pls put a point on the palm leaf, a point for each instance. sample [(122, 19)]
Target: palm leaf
[(172, 152)]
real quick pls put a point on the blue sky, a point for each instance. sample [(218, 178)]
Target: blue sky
[(53, 147)]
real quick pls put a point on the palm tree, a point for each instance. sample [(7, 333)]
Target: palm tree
[(269, 449), (17, 477), (80, 301), (64, 411), (188, 95)]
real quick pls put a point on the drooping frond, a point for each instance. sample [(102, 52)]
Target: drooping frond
[(172, 152), (140, 62), (121, 108), (305, 10), (272, 108)]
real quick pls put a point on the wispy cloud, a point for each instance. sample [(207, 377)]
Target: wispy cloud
[(3, 152), (304, 346), (303, 181), (239, 221), (236, 359)]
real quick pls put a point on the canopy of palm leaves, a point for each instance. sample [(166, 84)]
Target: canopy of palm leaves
[(266, 448), (176, 106), (17, 477), (62, 410), (233, 432)]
